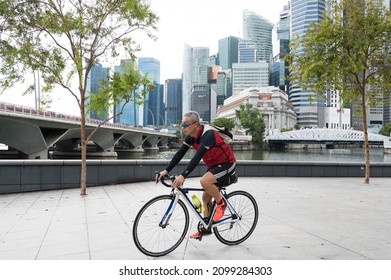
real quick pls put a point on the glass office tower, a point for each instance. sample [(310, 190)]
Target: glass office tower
[(94, 79), (195, 72), (258, 30), (309, 114)]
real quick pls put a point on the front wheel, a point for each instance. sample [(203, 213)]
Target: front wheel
[(153, 239), (238, 231)]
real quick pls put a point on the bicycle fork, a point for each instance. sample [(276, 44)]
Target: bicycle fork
[(164, 222)]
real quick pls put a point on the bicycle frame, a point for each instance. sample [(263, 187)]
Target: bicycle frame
[(182, 192)]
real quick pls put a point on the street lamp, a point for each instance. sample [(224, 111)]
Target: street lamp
[(162, 120), (153, 118)]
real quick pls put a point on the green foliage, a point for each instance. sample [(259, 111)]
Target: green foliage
[(252, 119), (348, 51), (224, 122), (123, 87), (386, 130), (63, 39), (297, 126)]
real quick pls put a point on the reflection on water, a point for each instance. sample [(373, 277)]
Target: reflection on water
[(339, 155)]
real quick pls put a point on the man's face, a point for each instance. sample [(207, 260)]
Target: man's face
[(188, 127)]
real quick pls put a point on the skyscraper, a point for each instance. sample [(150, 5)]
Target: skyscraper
[(258, 30), (195, 72), (247, 51), (173, 100), (251, 74), (150, 67), (228, 52), (309, 114), (154, 111), (279, 70), (94, 79)]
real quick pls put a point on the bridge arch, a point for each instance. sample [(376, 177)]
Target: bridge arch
[(324, 136)]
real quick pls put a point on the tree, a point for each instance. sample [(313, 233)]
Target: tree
[(348, 52), (224, 122), (252, 119), (386, 130), (63, 39)]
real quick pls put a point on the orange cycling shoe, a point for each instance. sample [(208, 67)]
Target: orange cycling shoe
[(220, 208), (198, 235)]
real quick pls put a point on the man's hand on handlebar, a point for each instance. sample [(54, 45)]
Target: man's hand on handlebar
[(160, 175), (178, 182)]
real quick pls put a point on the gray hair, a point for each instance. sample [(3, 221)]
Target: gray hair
[(193, 115)]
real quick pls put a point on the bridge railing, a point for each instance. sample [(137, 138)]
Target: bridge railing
[(24, 110)]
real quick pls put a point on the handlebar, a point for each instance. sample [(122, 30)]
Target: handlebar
[(164, 180)]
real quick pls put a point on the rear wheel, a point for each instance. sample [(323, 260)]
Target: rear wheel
[(236, 232)]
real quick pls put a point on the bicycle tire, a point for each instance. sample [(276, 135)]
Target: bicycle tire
[(154, 240), (237, 232)]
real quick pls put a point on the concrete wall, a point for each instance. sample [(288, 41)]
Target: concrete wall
[(34, 175)]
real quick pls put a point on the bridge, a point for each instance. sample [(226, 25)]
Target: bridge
[(323, 136), (37, 134)]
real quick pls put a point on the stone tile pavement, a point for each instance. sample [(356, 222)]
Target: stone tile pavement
[(300, 219)]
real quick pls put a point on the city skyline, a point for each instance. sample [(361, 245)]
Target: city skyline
[(179, 24)]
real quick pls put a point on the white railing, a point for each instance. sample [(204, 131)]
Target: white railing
[(323, 134)]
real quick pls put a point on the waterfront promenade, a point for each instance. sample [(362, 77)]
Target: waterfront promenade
[(300, 219)]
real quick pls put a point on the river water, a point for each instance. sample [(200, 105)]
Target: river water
[(335, 155)]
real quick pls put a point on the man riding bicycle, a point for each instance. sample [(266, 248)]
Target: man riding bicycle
[(217, 156)]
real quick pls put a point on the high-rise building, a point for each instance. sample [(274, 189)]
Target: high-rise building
[(246, 75), (281, 37), (309, 114), (258, 30), (150, 67), (154, 111), (130, 111), (203, 101), (173, 100), (94, 79), (247, 51), (228, 52), (195, 72)]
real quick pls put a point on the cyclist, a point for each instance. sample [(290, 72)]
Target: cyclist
[(217, 156)]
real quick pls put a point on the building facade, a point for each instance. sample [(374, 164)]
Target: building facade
[(281, 39), (309, 113), (246, 75), (247, 51), (195, 72), (273, 103), (203, 101), (150, 68), (258, 30), (94, 79), (228, 52), (173, 101)]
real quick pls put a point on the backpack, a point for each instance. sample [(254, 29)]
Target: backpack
[(223, 132)]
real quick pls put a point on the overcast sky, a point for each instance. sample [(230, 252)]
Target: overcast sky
[(199, 23)]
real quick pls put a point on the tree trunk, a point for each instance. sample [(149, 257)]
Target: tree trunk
[(83, 175), (366, 143)]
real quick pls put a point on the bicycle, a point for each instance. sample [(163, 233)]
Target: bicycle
[(163, 222)]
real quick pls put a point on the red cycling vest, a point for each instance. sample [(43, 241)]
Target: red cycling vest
[(217, 154)]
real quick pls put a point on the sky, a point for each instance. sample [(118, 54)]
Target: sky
[(199, 23)]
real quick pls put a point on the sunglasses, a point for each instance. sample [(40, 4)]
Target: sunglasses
[(185, 125)]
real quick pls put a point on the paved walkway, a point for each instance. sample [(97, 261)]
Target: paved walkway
[(300, 219)]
